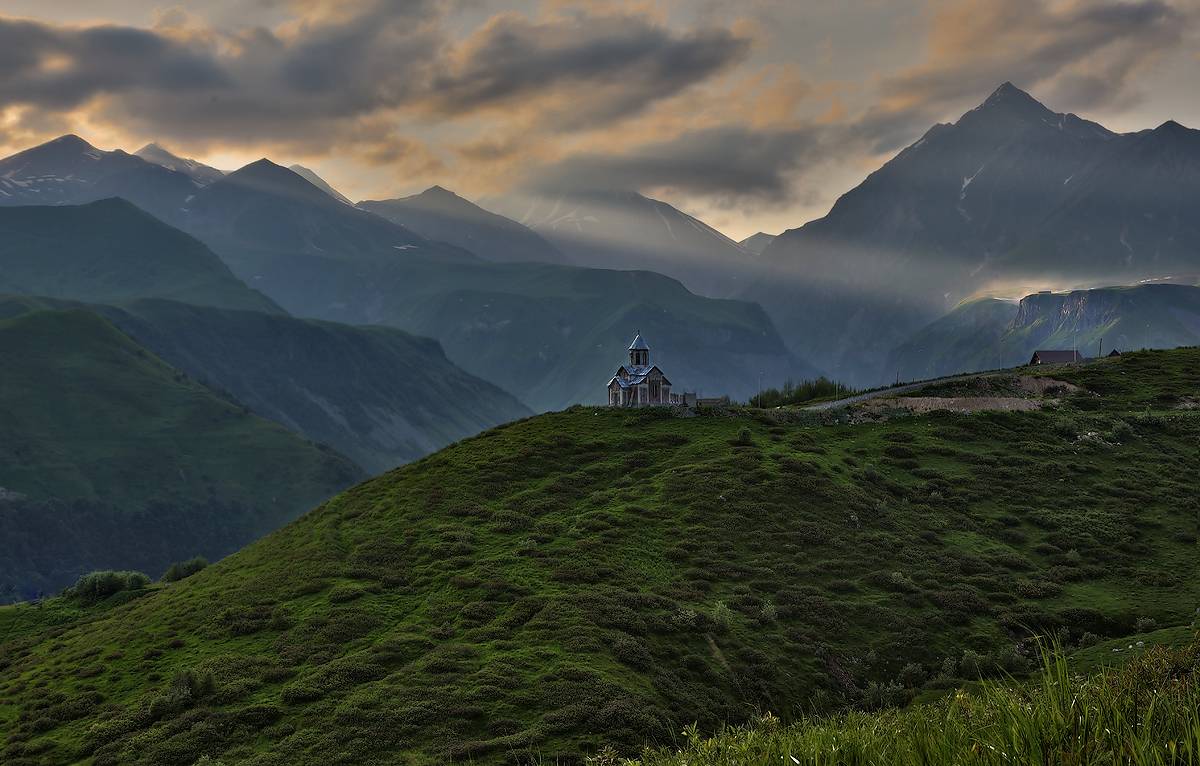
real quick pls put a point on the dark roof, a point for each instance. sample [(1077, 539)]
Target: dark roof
[(637, 376), (1056, 357), (638, 344)]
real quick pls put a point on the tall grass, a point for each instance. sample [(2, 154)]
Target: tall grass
[(1146, 714), (799, 393)]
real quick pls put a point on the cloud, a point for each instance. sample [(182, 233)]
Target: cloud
[(733, 163), (584, 70), (313, 79), (60, 68)]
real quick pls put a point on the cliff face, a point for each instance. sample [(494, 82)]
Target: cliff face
[(1077, 310), (1144, 316), (984, 334)]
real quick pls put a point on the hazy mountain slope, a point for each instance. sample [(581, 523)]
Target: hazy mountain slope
[(626, 230), (70, 171), (439, 214), (378, 395), (756, 243), (125, 462), (550, 335), (975, 335), (197, 171), (320, 183), (603, 577), (110, 251), (966, 339)]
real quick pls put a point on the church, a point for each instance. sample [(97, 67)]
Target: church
[(639, 383)]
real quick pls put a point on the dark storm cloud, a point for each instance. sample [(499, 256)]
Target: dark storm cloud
[(324, 78), (63, 67), (604, 67), (730, 163)]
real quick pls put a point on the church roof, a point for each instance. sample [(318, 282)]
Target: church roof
[(637, 375), (638, 344)]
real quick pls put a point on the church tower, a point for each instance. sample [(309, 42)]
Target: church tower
[(639, 352)]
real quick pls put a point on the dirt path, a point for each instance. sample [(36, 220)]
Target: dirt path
[(1033, 383), (889, 392)]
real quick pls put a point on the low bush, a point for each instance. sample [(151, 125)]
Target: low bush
[(182, 569), (94, 587)]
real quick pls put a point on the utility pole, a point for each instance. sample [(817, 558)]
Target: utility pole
[(1101, 354)]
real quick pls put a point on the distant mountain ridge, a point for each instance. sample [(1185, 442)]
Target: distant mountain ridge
[(70, 171), (442, 215), (320, 183), (1010, 194), (616, 229), (757, 243), (197, 171)]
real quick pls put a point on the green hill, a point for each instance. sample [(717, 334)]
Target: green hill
[(599, 577), (109, 457), (110, 251), (378, 395)]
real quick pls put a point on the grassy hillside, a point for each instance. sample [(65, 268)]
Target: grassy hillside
[(378, 395), (597, 577), (120, 460), (110, 251)]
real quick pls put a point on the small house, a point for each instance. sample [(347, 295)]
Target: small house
[(1056, 357), (1113, 353)]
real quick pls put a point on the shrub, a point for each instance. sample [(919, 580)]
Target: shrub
[(1145, 624), (631, 652), (767, 612), (722, 616), (94, 587), (182, 569), (745, 438)]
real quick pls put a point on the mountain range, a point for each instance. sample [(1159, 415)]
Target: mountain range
[(1010, 196)]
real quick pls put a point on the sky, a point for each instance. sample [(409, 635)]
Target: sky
[(752, 115)]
